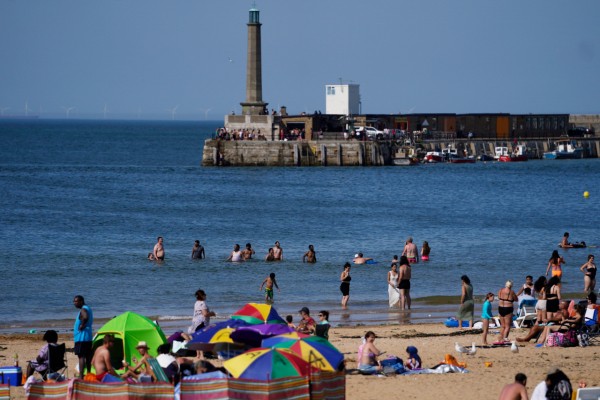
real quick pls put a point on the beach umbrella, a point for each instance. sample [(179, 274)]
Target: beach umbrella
[(267, 364), (219, 333), (272, 341), (315, 350), (253, 335), (255, 313)]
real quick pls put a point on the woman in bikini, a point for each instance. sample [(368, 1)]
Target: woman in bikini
[(506, 297), (552, 298), (555, 263), (369, 364), (589, 279)]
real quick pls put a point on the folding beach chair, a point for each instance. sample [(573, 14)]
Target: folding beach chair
[(57, 363), (322, 330), (590, 330), (526, 314)]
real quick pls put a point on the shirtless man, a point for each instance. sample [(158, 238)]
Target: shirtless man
[(310, 256), (516, 390), (564, 243), (404, 275), (359, 259), (277, 252), (101, 360), (411, 251), (248, 252), (158, 253)]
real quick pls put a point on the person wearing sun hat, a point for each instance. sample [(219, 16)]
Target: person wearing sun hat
[(140, 371)]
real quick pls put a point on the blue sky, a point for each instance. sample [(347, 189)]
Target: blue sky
[(143, 58)]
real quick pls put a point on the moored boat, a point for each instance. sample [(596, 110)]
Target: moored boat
[(434, 157), (519, 154), (565, 149)]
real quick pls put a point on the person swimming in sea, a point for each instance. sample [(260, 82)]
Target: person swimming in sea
[(359, 259)]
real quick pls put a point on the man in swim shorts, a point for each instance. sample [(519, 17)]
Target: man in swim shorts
[(411, 251), (101, 360), (268, 284), (404, 275)]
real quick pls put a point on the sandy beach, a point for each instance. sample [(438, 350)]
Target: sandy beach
[(433, 342)]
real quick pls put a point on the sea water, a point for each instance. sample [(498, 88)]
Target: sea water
[(83, 201)]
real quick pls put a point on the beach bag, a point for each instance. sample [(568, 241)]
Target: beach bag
[(570, 339), (393, 365), (555, 339)]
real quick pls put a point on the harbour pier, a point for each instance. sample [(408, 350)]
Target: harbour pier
[(252, 153)]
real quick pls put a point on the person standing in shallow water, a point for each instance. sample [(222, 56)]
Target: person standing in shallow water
[(404, 276), (277, 252), (310, 256), (197, 251), (411, 251), (158, 253), (345, 285)]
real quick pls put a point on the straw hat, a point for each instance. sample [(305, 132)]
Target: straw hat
[(141, 344)]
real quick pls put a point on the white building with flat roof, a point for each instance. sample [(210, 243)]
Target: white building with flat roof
[(342, 99)]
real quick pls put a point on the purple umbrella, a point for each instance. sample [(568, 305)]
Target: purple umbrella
[(253, 335)]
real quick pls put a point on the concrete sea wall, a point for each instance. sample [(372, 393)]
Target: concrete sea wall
[(348, 153)]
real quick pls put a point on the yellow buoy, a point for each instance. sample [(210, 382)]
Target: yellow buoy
[(586, 194)]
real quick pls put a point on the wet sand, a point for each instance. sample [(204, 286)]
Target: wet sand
[(433, 342)]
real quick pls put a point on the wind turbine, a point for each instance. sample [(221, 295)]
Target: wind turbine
[(205, 112), (68, 110), (173, 111), (27, 109)]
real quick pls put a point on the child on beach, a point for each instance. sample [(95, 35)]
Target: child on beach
[(268, 285), (425, 249), (413, 361), (486, 315), (290, 321)]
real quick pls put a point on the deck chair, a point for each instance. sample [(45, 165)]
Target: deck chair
[(322, 330), (590, 330), (161, 374), (57, 362), (526, 314)]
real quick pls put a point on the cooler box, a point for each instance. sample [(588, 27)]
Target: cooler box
[(11, 376)]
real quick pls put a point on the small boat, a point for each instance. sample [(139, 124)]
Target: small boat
[(454, 159), (565, 149), (434, 157), (404, 162), (452, 156), (519, 154), (486, 157), (405, 156)]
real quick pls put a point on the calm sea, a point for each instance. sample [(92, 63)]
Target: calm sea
[(83, 202)]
